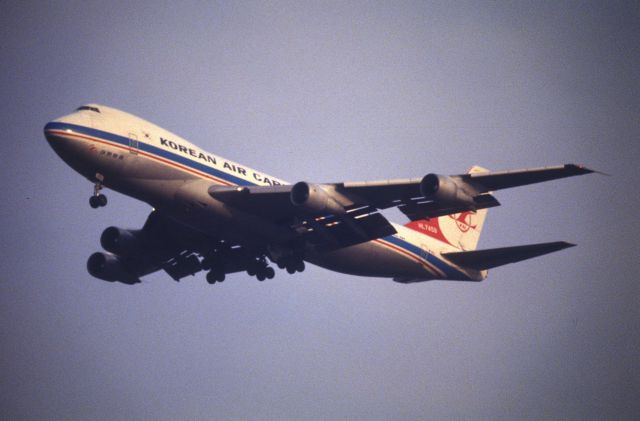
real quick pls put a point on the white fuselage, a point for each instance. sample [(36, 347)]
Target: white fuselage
[(142, 160)]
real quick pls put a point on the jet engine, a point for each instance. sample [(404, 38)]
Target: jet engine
[(445, 189), (314, 198), (109, 267), (120, 241)]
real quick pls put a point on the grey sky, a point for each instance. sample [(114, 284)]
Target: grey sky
[(327, 91)]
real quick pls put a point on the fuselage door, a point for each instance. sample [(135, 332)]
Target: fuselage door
[(133, 143)]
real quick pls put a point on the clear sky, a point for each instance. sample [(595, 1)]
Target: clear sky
[(328, 91)]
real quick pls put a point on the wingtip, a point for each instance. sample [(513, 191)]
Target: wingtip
[(580, 169), (558, 245)]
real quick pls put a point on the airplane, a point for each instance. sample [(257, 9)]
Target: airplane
[(215, 215)]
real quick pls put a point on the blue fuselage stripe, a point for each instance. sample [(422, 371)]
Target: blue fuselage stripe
[(146, 147), (422, 254)]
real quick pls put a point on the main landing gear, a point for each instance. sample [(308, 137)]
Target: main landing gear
[(214, 276), (287, 257), (261, 270), (98, 200), (292, 265)]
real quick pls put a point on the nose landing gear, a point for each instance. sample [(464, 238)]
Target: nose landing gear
[(98, 199)]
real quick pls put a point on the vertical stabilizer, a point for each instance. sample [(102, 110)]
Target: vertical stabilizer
[(459, 230)]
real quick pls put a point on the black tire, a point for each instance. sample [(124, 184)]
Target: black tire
[(93, 202), (211, 277), (102, 200), (270, 273), (300, 266)]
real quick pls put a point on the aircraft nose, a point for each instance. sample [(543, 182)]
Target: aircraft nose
[(60, 134), (54, 132), (57, 129), (49, 131), (64, 135)]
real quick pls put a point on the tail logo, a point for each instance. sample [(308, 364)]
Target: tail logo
[(464, 221)]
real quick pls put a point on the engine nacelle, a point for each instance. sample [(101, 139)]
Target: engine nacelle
[(109, 267), (314, 198), (444, 189), (120, 241)]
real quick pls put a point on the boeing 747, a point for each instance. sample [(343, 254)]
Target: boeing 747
[(214, 215)]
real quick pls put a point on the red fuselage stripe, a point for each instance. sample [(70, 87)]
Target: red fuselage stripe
[(423, 262), (143, 153)]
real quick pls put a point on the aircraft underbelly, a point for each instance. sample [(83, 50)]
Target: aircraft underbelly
[(369, 259)]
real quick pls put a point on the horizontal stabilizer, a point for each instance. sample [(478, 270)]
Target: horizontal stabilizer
[(491, 258)]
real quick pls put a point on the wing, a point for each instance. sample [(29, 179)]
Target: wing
[(437, 195), (490, 181), (324, 217), (340, 214), (162, 244)]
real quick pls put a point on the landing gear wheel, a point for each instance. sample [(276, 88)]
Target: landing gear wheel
[(211, 278), (214, 276), (269, 273), (98, 201)]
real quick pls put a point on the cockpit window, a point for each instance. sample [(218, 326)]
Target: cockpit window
[(86, 107)]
